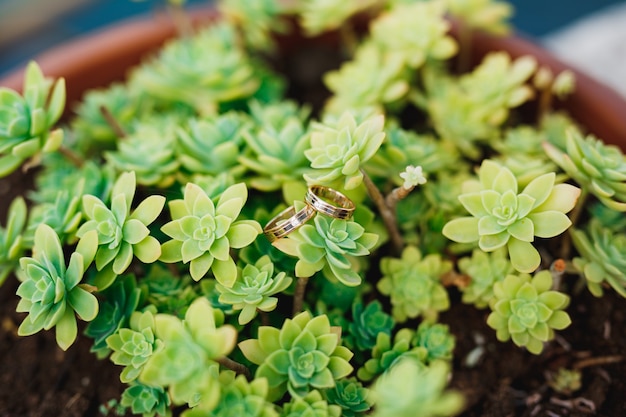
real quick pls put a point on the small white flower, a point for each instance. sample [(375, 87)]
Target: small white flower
[(412, 177)]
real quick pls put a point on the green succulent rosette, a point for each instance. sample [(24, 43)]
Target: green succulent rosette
[(436, 340), (304, 354), (527, 311), (26, 121), (147, 401), (318, 16), (122, 234), (203, 232), (595, 166), (487, 15), (367, 322), (484, 270), (602, 257), (353, 398), (51, 292), (11, 240), (501, 216)]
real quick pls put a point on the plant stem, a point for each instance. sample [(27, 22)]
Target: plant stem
[(112, 122), (298, 296), (545, 103), (566, 244), (602, 360), (239, 368), (389, 217), (71, 156)]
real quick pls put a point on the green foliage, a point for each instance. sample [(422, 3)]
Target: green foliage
[(602, 258), (367, 322), (595, 166), (203, 232), (253, 289), (351, 396), (566, 381), (239, 398), (63, 215), (133, 346), (338, 151), (52, 293), (167, 292), (410, 390), (304, 354), (26, 121), (122, 234), (484, 270), (504, 217), (436, 339), (147, 401), (258, 20), (11, 241), (116, 309), (317, 16), (527, 311), (333, 243), (413, 284), (488, 15), (186, 363), (310, 405)]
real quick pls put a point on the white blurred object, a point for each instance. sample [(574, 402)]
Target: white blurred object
[(596, 45)]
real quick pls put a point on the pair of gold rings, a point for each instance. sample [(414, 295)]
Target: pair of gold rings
[(318, 199)]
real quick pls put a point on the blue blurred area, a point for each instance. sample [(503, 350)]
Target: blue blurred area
[(534, 18)]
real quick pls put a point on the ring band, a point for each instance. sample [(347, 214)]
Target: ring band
[(287, 221), (315, 195)]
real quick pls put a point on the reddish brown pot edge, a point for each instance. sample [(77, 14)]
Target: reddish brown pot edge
[(98, 59)]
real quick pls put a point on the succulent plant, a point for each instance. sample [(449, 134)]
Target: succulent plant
[(253, 289), (415, 32), (304, 354), (385, 354), (601, 259), (239, 398), (212, 145), (595, 166), (147, 401), (148, 152), (51, 292), (182, 72), (187, 362), (527, 311), (436, 340), (63, 215), (565, 381), (351, 396), (203, 232), (373, 77), (410, 390), (258, 20), (167, 292), (331, 243), (501, 216), (116, 308), (132, 346), (26, 121), (317, 16), (367, 322), (484, 270), (122, 234), (413, 283), (487, 15), (310, 405), (337, 152), (11, 241)]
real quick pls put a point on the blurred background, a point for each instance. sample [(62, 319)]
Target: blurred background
[(590, 34)]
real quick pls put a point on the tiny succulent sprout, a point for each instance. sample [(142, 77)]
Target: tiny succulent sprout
[(413, 284), (484, 269), (122, 234), (254, 288), (565, 381), (502, 217), (349, 394), (132, 347), (597, 167), (436, 339), (26, 121), (367, 322), (412, 176), (312, 404), (334, 243), (527, 311), (51, 292), (304, 354), (239, 398), (338, 151), (409, 389), (488, 15), (11, 241), (601, 259), (203, 232), (318, 16), (186, 363), (146, 400)]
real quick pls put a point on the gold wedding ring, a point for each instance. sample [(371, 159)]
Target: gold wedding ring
[(287, 221), (318, 197)]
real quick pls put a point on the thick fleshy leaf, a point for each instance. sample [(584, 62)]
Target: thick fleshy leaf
[(148, 250), (134, 231), (473, 203), (524, 257), (549, 223), (123, 258), (171, 251), (66, 330), (251, 349), (84, 303), (225, 272), (149, 209), (563, 198), (242, 233), (540, 188), (523, 230), (462, 230)]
